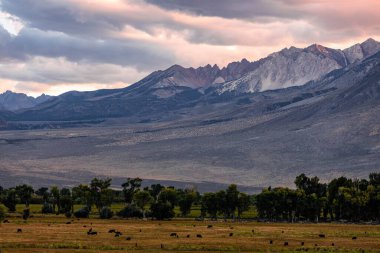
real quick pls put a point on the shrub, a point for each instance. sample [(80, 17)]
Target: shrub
[(162, 210), (2, 214), (47, 208), (26, 214), (68, 214), (82, 213), (130, 211), (106, 213)]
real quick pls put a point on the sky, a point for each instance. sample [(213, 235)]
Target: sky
[(53, 46)]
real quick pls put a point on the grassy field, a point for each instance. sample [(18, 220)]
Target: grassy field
[(52, 234)]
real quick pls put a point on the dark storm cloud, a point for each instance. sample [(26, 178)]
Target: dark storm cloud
[(33, 42), (240, 9)]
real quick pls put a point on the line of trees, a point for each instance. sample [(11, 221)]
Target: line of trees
[(340, 199)]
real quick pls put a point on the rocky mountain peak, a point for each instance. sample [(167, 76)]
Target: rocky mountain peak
[(12, 101)]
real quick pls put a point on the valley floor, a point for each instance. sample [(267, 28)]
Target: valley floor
[(52, 234)]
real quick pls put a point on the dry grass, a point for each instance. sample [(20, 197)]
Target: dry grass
[(52, 234)]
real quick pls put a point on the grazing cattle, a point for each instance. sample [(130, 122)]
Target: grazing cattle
[(354, 238), (286, 244), (84, 226), (117, 234), (282, 231), (199, 236), (302, 243), (188, 236), (19, 230), (270, 242), (112, 231), (173, 235), (92, 233), (321, 235), (231, 227), (128, 238), (332, 244), (67, 223), (315, 245), (6, 221), (209, 226), (231, 234)]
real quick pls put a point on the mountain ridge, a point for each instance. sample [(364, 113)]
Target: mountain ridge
[(12, 101), (178, 88)]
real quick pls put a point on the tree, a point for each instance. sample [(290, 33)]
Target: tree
[(10, 200), (169, 195), (24, 192), (82, 195), (44, 193), (155, 189), (130, 187), (209, 204), (243, 203), (101, 193), (55, 194), (162, 210), (334, 197), (374, 179), (186, 201), (2, 214), (141, 199), (65, 201), (232, 197)]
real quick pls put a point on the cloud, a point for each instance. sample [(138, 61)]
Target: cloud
[(108, 43)]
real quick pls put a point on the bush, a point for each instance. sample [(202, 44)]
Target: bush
[(82, 213), (162, 210), (2, 214), (130, 211), (26, 214), (68, 214), (47, 208), (106, 213)]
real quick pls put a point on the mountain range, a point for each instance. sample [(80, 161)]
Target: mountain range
[(178, 87), (12, 101), (312, 110)]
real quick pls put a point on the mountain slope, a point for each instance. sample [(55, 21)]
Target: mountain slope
[(163, 94), (295, 67), (328, 128), (15, 101)]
